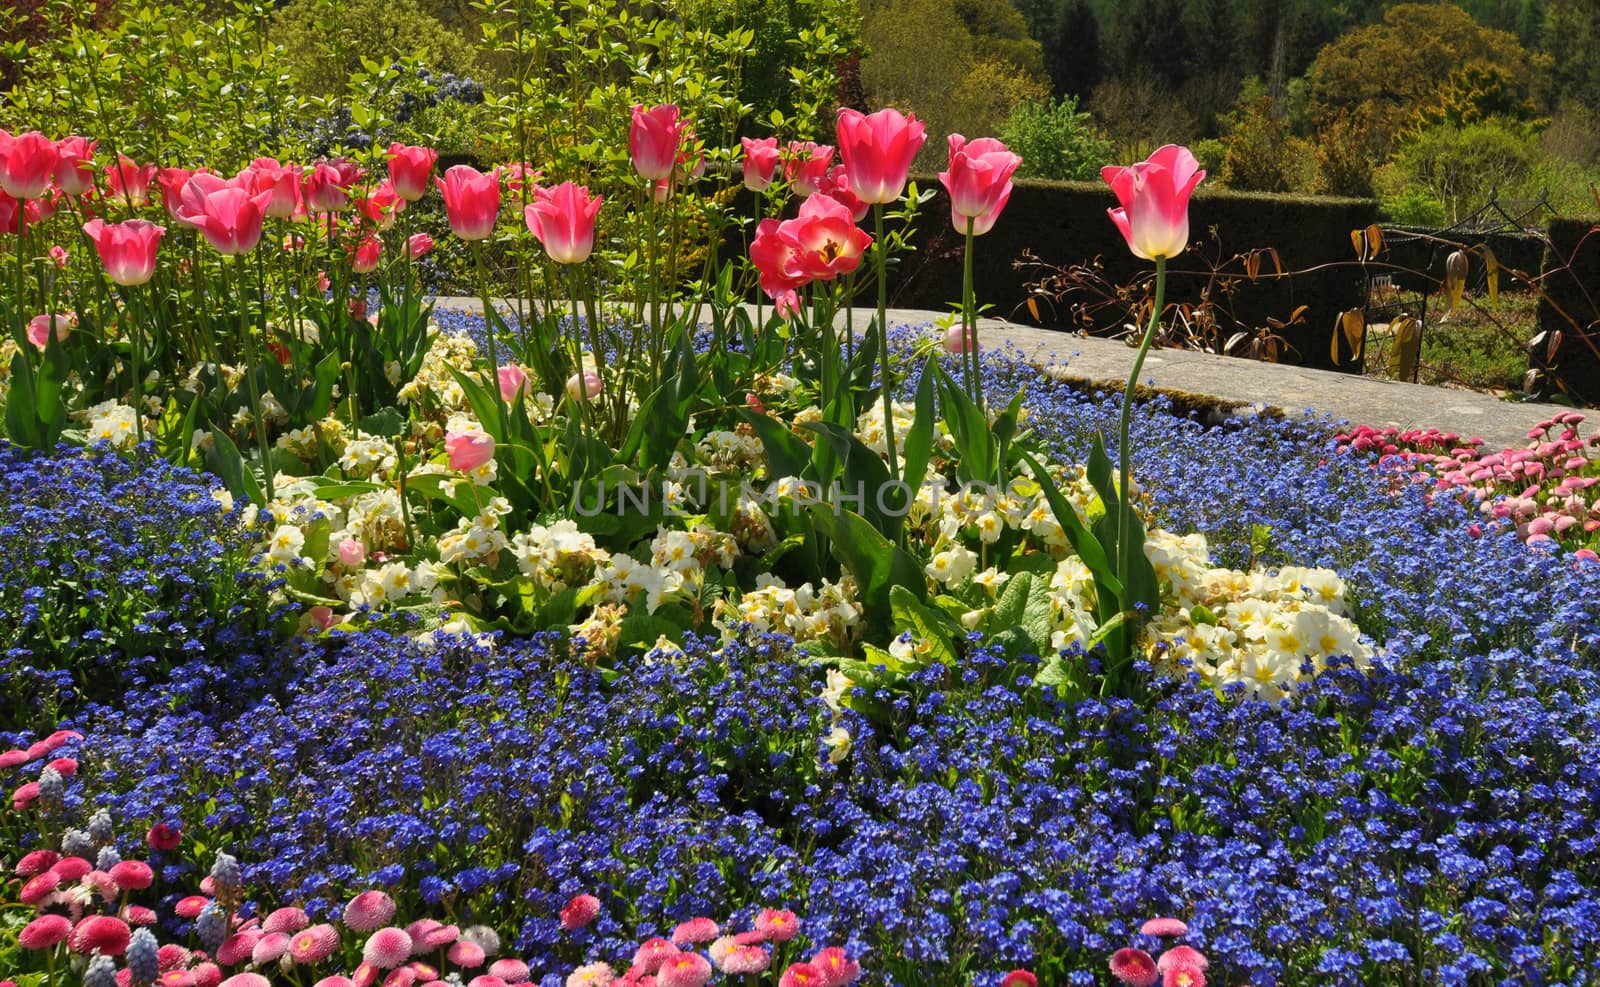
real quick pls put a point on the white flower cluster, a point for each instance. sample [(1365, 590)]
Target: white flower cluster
[(830, 614), (434, 381), (112, 422)]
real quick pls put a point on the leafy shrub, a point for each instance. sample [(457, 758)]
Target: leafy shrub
[(1056, 140), (325, 42), (113, 570), (1461, 166)]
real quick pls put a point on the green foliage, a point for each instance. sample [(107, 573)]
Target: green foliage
[(1253, 150), (1343, 151), (1460, 167), (161, 85), (961, 68), (324, 42), (1408, 63), (1056, 140), (1139, 113)]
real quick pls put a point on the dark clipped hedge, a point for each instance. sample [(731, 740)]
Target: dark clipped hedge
[(1570, 305), (1065, 223), (1515, 252)]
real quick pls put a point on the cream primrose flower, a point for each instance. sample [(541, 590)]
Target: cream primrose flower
[(283, 548), (111, 422), (434, 383)]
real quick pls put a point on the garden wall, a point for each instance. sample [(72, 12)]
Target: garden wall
[(1065, 223), (1571, 305)]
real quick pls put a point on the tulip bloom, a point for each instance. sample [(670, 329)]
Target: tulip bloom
[(324, 189), (419, 246), (806, 166), (381, 206), (1154, 215), (471, 201), (985, 222), (513, 380), (468, 450), (227, 215), (39, 328), (410, 168), (653, 141), (364, 259), (267, 175), (960, 341), (877, 151), (27, 164), (760, 162), (773, 258), (563, 220), (836, 186), (978, 179), (75, 165), (825, 239), (585, 386), (128, 182), (128, 250), (172, 181), (521, 176)]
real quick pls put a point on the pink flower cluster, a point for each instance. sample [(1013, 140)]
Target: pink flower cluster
[(81, 910), (1177, 966), (1547, 491), (676, 961)]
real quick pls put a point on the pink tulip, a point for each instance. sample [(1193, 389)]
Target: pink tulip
[(984, 223), (324, 189), (585, 386), (419, 246), (958, 341), (381, 206), (787, 303), (806, 165), (128, 182), (128, 250), (836, 186), (760, 162), (520, 176), (282, 181), (877, 151), (364, 259), (653, 141), (468, 450), (39, 328), (27, 164), (562, 219), (410, 168), (979, 175), (75, 164), (228, 216), (172, 181), (58, 257), (773, 258), (825, 239), (513, 379), (1154, 215), (471, 201)]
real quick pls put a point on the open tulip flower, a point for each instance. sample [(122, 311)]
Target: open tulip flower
[(653, 141), (27, 164), (267, 175), (128, 250), (760, 162), (978, 180), (128, 182), (471, 201), (806, 165), (1154, 215), (825, 240), (562, 218), (225, 213), (75, 167), (877, 150), (410, 168), (773, 256)]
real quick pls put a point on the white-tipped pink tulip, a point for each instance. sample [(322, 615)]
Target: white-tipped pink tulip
[(1154, 215)]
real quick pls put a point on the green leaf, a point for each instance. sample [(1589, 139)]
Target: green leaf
[(1083, 542), (933, 626), (223, 459), (919, 438), (787, 453), (1013, 602), (876, 563), (389, 423)]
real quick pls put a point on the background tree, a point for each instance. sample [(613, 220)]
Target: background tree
[(1392, 70)]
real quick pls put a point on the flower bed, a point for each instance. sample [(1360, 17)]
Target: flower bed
[(1450, 784)]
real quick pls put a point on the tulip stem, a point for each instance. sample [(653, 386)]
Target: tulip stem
[(493, 375), (138, 380), (879, 259), (252, 366), (1124, 453), (969, 319)]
